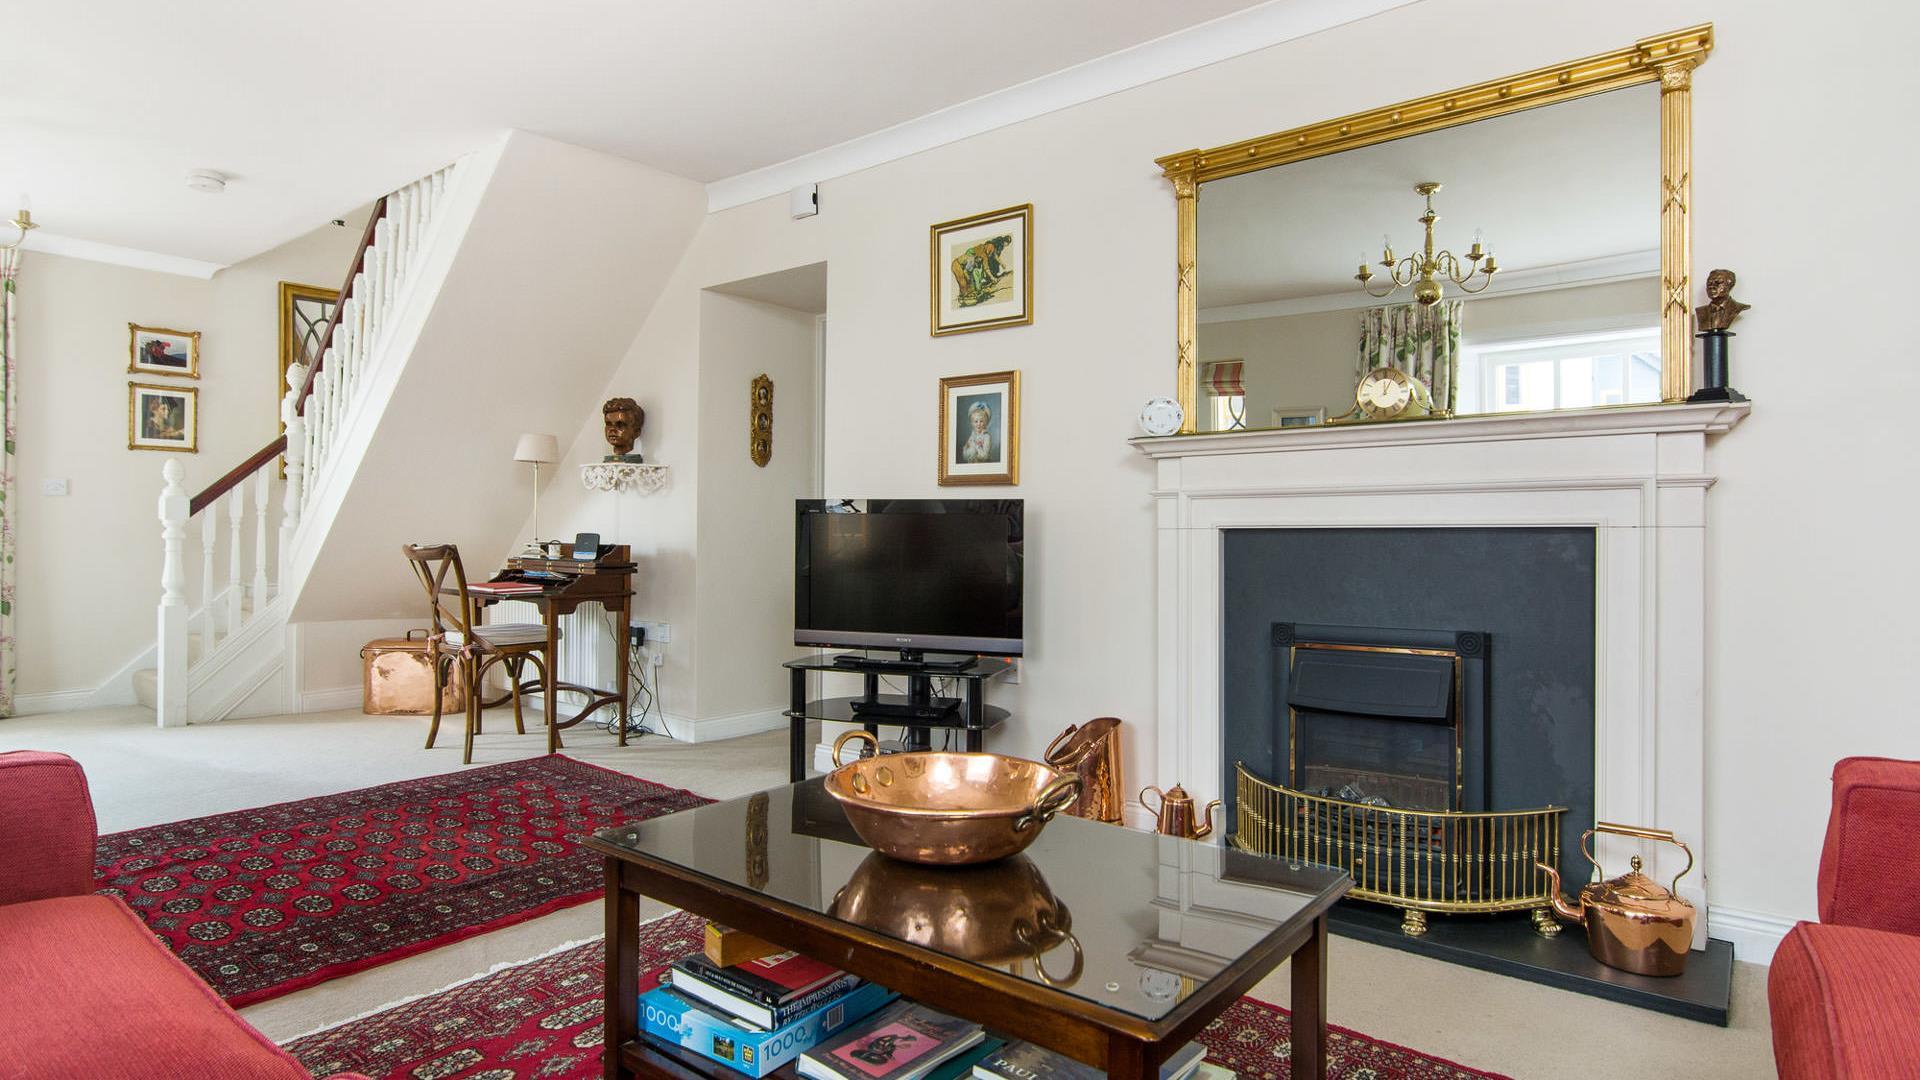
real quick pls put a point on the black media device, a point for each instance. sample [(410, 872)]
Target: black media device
[(586, 547), (910, 575)]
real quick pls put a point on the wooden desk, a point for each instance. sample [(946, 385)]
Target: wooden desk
[(609, 583)]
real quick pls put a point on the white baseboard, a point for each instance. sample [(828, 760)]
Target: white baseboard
[(331, 699), (1755, 935), (52, 701), (716, 728)]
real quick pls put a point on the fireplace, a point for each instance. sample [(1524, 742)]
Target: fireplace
[(1634, 481)]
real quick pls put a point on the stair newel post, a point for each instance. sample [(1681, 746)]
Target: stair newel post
[(209, 539), (170, 705), (296, 459), (262, 487), (236, 581)]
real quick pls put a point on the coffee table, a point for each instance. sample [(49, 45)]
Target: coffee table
[(1112, 946)]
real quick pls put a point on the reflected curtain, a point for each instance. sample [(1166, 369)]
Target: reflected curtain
[(1422, 341), (9, 505)]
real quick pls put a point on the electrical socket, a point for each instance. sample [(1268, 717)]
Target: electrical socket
[(655, 658), (657, 633)]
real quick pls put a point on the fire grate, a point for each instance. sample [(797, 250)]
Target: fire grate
[(1448, 861)]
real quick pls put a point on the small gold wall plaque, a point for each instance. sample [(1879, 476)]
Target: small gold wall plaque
[(760, 420)]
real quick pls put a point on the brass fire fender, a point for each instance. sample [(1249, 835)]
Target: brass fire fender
[(1449, 861)]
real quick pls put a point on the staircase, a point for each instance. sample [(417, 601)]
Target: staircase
[(211, 662)]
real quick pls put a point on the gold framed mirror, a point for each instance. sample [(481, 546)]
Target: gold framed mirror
[(1587, 257)]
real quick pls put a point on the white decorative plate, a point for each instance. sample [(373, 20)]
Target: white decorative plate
[(1161, 416)]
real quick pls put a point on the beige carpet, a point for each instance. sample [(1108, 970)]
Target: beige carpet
[(141, 775)]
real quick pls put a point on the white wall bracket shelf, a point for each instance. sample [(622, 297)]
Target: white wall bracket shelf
[(623, 476)]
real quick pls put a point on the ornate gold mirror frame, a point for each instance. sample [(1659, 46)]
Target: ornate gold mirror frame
[(1668, 59)]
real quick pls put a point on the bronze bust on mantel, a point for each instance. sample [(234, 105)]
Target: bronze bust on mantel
[(622, 418), (1278, 245)]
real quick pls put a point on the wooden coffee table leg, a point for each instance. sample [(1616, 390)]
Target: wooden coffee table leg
[(623, 972), (1310, 1005), (1127, 1059)]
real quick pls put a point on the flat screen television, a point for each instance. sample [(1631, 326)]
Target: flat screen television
[(915, 575)]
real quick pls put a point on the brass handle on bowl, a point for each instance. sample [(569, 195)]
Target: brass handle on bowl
[(842, 741), (1032, 941), (1052, 799)]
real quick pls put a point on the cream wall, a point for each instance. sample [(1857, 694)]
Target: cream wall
[(90, 562), (1806, 625), (744, 598)]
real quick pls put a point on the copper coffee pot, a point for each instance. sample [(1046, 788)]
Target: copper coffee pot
[(1091, 751), (1176, 816), (1633, 923)]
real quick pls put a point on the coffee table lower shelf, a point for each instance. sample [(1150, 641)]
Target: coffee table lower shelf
[(652, 1059)]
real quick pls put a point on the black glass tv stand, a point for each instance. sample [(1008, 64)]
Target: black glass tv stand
[(920, 711)]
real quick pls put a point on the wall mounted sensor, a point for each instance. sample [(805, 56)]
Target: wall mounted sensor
[(804, 201)]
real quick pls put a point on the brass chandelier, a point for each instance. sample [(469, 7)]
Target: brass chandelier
[(1425, 270)]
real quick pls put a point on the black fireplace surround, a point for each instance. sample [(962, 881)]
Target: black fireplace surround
[(1515, 604)]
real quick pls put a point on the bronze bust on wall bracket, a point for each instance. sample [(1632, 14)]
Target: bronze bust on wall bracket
[(623, 418)]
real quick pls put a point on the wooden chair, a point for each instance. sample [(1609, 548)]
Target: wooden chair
[(459, 644)]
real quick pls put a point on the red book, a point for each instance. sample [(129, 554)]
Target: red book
[(768, 991), (504, 587)]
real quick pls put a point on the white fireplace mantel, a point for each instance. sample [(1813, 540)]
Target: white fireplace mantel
[(1637, 476)]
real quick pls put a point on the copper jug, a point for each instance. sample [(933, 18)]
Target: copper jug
[(1633, 923), (1091, 751), (1176, 816)]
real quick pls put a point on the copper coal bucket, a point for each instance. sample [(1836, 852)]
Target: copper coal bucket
[(998, 913), (1091, 752)]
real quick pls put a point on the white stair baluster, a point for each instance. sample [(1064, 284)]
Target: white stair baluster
[(170, 703), (262, 486), (209, 539), (236, 583), (296, 459)]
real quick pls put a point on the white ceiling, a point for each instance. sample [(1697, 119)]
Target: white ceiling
[(1564, 184), (314, 109)]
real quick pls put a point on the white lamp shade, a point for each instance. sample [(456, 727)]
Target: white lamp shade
[(544, 449)]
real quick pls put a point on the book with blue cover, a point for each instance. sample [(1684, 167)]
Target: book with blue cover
[(691, 1025)]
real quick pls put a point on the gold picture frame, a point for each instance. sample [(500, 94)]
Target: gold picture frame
[(157, 350), (163, 417), (304, 313), (980, 429), (971, 260), (1664, 59)]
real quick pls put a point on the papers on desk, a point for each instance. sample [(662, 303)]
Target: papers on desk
[(505, 588)]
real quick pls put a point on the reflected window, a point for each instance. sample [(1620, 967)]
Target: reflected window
[(1229, 412), (1578, 371)]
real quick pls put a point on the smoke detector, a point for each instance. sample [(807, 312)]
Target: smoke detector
[(207, 180)]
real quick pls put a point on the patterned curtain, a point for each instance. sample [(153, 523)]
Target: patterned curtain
[(1424, 342), (9, 271)]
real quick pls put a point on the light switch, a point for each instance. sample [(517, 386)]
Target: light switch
[(53, 487)]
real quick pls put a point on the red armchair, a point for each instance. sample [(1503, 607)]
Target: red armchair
[(85, 987), (1844, 992)]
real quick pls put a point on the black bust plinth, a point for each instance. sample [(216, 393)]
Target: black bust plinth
[(1713, 354), (624, 459)]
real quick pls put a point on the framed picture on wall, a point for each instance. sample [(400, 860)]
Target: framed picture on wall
[(153, 350), (163, 417), (1299, 415), (982, 271), (980, 429)]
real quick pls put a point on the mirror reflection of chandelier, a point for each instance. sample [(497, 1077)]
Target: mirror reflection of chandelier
[(1424, 271)]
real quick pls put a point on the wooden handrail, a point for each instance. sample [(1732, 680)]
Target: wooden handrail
[(278, 446)]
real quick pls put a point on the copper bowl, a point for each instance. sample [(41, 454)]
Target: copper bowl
[(947, 809), (999, 913)]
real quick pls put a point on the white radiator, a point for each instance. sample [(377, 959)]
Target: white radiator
[(588, 654)]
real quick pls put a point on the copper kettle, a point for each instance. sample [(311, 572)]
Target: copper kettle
[(1175, 814), (1633, 922)]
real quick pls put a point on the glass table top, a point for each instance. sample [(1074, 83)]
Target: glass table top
[(1126, 919)]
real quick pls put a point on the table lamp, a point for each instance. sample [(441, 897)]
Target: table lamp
[(537, 450)]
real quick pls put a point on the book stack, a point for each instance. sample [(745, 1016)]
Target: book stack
[(1025, 1061), (755, 1016), (905, 1041), (504, 588)]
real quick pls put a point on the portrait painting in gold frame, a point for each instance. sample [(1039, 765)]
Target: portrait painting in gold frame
[(163, 417), (980, 429)]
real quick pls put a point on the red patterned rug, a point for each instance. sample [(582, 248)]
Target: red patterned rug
[(541, 1019), (264, 902)]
